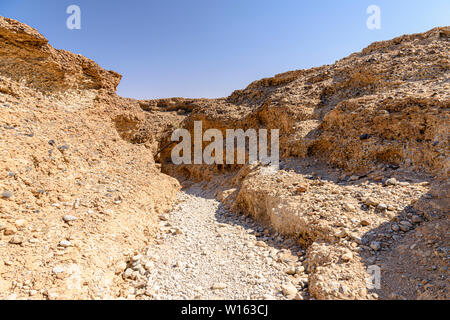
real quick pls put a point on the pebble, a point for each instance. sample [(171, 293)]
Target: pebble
[(63, 148), (65, 244), (20, 223), (349, 207), (9, 231), (405, 226), (289, 290), (347, 257), (375, 245), (371, 202), (7, 194), (395, 227), (58, 270), (391, 182), (382, 207), (219, 286), (128, 274), (16, 240), (149, 265), (299, 297), (69, 218), (291, 270), (416, 219), (163, 217), (261, 244)]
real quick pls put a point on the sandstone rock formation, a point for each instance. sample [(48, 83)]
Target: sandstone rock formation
[(365, 145), (69, 148)]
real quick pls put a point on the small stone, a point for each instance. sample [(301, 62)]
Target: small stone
[(371, 202), (416, 219), (58, 270), (52, 294), (63, 148), (137, 258), (16, 240), (364, 136), (128, 274), (391, 182), (289, 290), (405, 226), (299, 297), (163, 217), (219, 286), (346, 257), (108, 212), (9, 231), (302, 189), (349, 207), (268, 297), (120, 267), (69, 218), (353, 178), (375, 245), (343, 289), (20, 223), (291, 270), (261, 244), (51, 142), (365, 222), (149, 265), (178, 231), (300, 270), (65, 244), (382, 207), (395, 227), (6, 194)]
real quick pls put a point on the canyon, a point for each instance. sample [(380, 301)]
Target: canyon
[(92, 206)]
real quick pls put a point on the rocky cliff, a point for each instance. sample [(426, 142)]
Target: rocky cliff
[(78, 193)]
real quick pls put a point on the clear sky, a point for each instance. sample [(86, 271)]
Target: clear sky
[(208, 48)]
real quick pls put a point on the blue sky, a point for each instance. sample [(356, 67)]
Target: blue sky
[(208, 48)]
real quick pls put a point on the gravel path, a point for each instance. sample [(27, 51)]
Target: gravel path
[(205, 252)]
